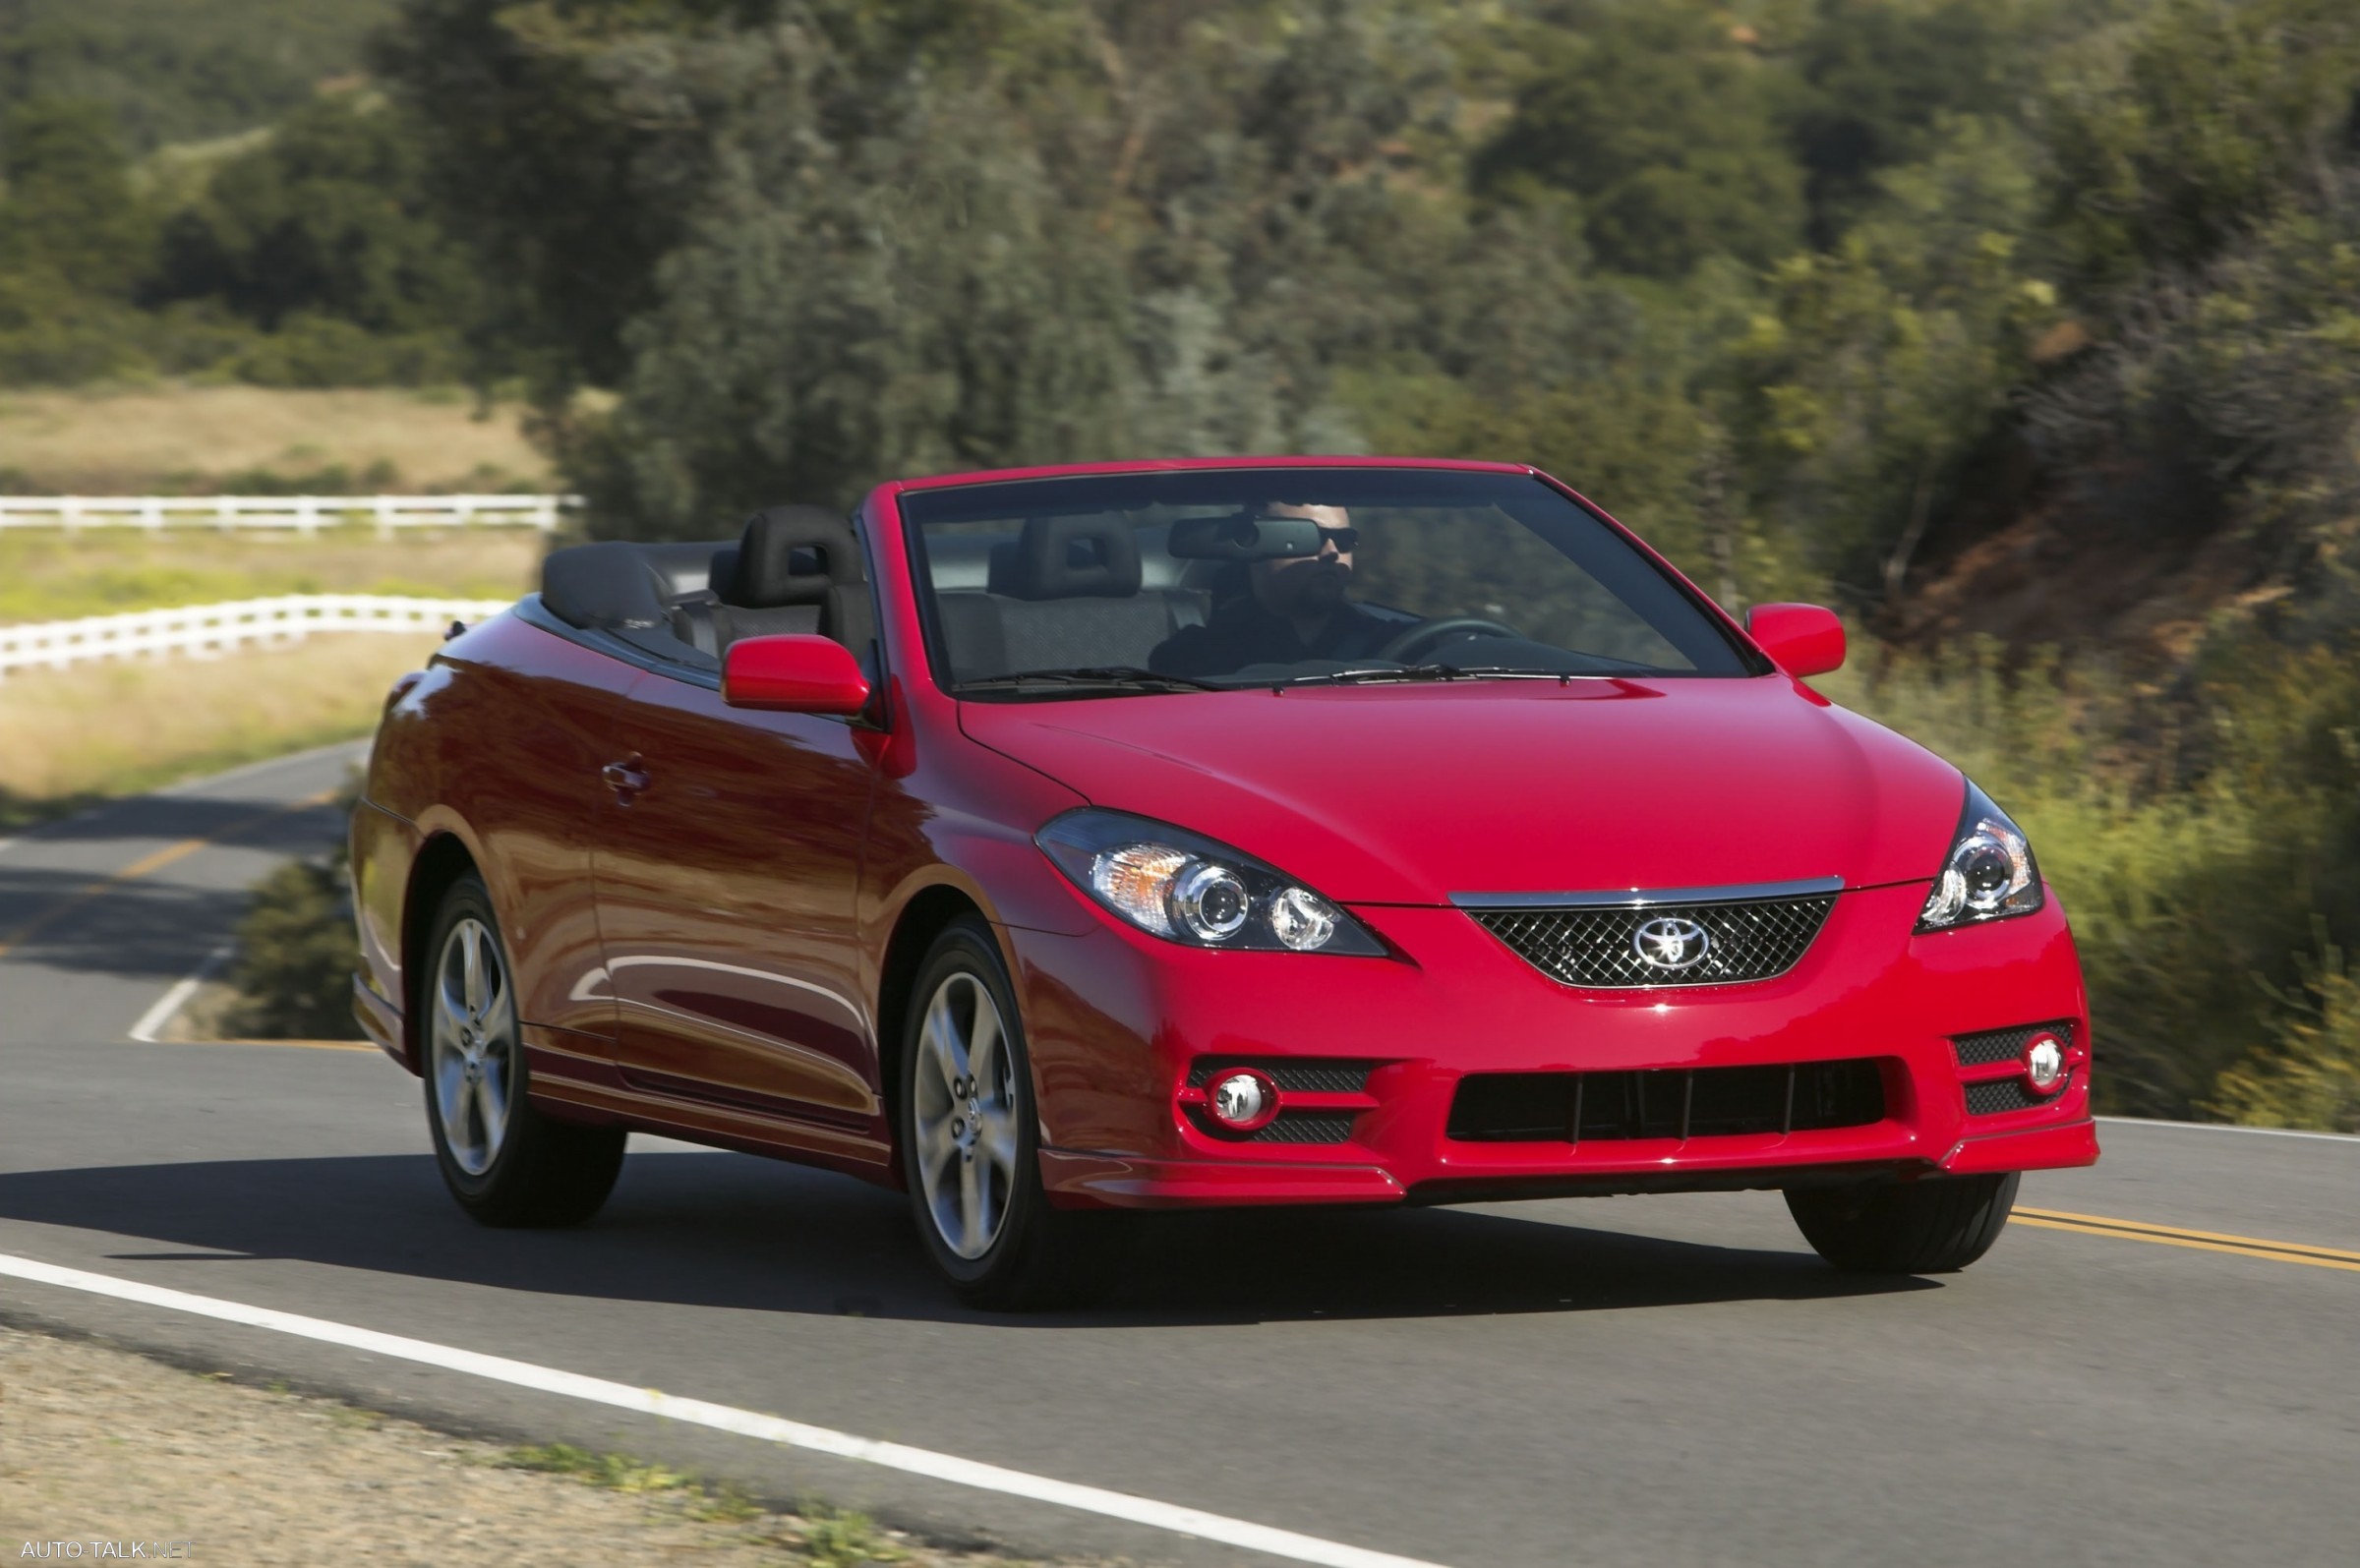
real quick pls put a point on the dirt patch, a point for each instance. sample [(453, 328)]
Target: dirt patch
[(102, 1445)]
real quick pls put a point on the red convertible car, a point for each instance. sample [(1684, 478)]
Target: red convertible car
[(1058, 842)]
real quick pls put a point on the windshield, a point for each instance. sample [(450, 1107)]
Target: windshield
[(1088, 586)]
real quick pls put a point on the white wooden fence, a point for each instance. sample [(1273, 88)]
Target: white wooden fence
[(205, 630), (303, 514)]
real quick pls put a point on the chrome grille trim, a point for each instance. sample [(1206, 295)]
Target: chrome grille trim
[(1649, 898), (1593, 948)]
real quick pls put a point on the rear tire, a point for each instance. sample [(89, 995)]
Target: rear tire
[(505, 1161), (1933, 1226), (970, 1142)]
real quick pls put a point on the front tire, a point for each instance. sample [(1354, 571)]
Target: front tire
[(506, 1162), (1935, 1226), (970, 1138)]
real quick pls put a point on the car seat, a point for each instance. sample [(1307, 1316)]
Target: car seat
[(795, 569)]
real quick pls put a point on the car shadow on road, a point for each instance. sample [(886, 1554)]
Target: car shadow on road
[(735, 1231), (141, 927)]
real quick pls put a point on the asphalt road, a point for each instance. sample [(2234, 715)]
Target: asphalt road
[(1665, 1380)]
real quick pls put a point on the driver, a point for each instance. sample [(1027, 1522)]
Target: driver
[(1292, 610)]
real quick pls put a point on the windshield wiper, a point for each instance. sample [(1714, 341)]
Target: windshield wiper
[(1117, 677), (1383, 673)]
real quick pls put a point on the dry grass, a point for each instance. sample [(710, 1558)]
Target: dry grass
[(71, 735), (48, 575), (139, 440)]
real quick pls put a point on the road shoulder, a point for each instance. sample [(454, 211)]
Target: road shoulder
[(100, 1444)]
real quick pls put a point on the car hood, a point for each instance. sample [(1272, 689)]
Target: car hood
[(1410, 795)]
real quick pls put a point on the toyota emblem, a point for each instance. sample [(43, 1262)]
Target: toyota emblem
[(1671, 943)]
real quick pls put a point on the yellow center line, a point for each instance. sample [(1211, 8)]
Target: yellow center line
[(2199, 1240), (149, 865)]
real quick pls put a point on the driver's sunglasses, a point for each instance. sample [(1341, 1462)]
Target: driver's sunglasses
[(1343, 539)]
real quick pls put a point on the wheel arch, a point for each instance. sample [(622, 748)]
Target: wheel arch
[(929, 911), (442, 859)]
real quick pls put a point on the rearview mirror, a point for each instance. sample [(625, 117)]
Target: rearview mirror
[(1801, 639), (794, 674), (1242, 535)]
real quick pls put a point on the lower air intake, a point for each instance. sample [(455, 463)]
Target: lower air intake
[(1289, 1127), (1668, 1103), (1995, 1095), (2005, 1045)]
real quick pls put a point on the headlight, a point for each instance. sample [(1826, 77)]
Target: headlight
[(1189, 889), (1989, 873)]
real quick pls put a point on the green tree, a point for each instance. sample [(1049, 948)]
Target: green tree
[(68, 212), (178, 71), (922, 304), (1669, 130), (1877, 369), (2212, 117), (1882, 75), (328, 218)]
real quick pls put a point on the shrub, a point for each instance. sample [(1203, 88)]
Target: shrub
[(2204, 842), (296, 955), (2307, 1074)]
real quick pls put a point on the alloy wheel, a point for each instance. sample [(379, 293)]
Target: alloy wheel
[(966, 1110), (474, 1046)]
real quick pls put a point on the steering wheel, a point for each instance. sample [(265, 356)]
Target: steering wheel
[(1428, 635)]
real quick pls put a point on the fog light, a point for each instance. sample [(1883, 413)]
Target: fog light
[(2044, 1061), (1242, 1101)]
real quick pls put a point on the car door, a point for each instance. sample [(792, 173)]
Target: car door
[(507, 730), (726, 885)]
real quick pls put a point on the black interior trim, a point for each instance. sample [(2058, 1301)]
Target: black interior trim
[(533, 611)]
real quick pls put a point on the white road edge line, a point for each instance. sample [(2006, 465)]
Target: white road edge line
[(2231, 1126), (724, 1418), (167, 1006)]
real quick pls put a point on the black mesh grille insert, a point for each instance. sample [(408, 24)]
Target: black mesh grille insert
[(2004, 1045), (1995, 1095), (1757, 940), (1289, 1127), (1670, 1102), (1298, 1074)]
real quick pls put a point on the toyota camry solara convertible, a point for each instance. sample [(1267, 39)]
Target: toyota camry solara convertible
[(1056, 843)]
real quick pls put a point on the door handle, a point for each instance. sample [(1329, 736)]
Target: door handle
[(624, 778)]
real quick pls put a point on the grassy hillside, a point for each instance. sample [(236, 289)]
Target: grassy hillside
[(192, 440), (71, 736), (45, 576), (183, 70)]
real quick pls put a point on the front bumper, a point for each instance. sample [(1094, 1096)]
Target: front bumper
[(1116, 1020)]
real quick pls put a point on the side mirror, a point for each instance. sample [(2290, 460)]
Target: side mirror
[(796, 674), (1802, 639)]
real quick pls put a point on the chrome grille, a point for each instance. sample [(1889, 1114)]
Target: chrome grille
[(1755, 938)]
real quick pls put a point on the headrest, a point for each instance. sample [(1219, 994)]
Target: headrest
[(767, 571), (1068, 557)]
